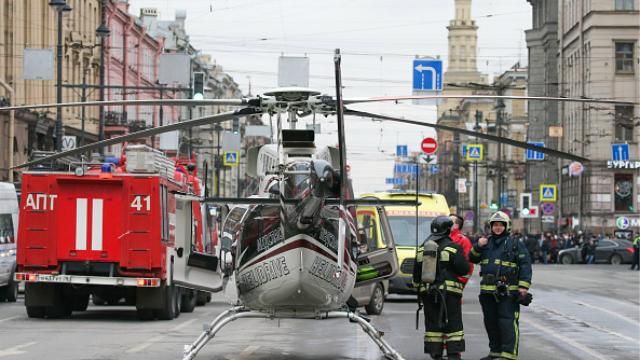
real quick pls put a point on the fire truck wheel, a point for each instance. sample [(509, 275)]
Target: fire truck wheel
[(37, 312), (189, 299), (80, 302), (168, 310)]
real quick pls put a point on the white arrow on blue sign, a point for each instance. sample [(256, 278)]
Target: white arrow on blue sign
[(620, 152), (427, 74), (535, 155)]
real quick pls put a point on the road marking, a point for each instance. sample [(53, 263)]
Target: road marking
[(9, 318), (244, 354), (158, 338), (591, 325), (608, 312), (566, 340), (16, 350)]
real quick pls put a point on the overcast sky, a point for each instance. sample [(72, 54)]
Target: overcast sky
[(378, 40)]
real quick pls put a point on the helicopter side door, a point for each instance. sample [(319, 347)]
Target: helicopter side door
[(194, 265), (376, 258)]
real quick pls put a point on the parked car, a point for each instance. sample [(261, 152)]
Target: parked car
[(612, 251), (8, 229)]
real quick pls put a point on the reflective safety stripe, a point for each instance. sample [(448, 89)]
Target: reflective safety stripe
[(505, 263), (433, 333), (431, 336), (524, 284), (460, 333), (496, 354), (488, 287), (455, 284), (513, 287), (450, 249), (474, 251), (484, 262), (507, 355), (452, 289), (455, 338)]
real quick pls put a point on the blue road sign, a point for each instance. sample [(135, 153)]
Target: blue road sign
[(548, 192), (427, 74), (464, 150), (231, 158), (395, 181), (434, 169), (535, 155), (475, 152), (402, 151), (620, 152), (405, 169)]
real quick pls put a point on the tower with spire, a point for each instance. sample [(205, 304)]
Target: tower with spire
[(463, 46)]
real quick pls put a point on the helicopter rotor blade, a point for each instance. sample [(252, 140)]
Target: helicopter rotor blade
[(205, 120), (498, 139), (494, 97), (164, 102)]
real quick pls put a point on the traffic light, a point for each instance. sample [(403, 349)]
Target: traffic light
[(236, 125), (198, 86)]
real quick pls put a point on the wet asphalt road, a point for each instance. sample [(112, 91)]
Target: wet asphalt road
[(579, 312)]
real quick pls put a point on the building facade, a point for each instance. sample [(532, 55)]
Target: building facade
[(542, 42), (33, 24), (598, 58)]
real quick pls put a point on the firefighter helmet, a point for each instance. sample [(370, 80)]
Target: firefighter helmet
[(503, 218), (441, 225)]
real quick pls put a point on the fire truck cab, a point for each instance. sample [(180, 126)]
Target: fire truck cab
[(129, 230)]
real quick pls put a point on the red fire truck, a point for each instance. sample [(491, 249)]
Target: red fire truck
[(130, 229)]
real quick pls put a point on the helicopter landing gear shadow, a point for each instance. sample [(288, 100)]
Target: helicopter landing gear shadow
[(241, 312)]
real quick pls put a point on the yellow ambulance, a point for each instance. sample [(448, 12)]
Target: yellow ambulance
[(402, 220)]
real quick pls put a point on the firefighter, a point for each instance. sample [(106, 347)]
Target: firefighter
[(441, 295), (636, 252), (459, 238), (505, 268)]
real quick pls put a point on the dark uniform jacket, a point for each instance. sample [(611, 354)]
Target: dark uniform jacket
[(503, 259), (452, 264)]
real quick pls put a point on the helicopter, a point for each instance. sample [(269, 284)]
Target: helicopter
[(297, 254)]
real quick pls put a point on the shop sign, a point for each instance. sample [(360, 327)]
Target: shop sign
[(620, 164)]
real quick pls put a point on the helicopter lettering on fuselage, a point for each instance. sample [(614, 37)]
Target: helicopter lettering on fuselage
[(328, 239), (263, 273), (326, 271), (267, 241)]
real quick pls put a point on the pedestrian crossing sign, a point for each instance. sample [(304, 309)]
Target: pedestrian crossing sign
[(231, 158), (475, 152), (548, 192)]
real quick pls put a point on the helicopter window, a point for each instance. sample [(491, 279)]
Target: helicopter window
[(296, 184)]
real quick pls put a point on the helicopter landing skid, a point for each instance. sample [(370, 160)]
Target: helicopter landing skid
[(241, 312)]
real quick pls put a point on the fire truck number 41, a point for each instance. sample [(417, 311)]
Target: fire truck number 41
[(138, 201)]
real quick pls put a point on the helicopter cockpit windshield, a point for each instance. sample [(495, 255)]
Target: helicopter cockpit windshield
[(297, 182)]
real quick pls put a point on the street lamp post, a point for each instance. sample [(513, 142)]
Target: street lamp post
[(102, 32), (60, 7)]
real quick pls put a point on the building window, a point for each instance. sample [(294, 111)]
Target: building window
[(624, 57), (624, 122), (624, 4), (623, 192)]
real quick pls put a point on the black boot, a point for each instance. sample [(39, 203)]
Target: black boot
[(454, 356)]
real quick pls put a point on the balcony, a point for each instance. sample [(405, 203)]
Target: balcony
[(115, 118)]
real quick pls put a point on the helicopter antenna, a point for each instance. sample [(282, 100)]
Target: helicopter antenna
[(342, 226)]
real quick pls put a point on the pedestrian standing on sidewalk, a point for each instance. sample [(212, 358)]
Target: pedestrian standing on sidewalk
[(636, 252)]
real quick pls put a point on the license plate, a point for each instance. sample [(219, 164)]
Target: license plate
[(55, 278)]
